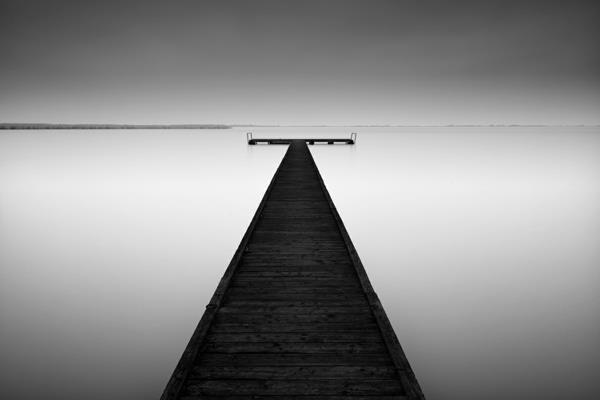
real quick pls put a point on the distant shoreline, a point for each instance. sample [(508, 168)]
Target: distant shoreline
[(110, 126)]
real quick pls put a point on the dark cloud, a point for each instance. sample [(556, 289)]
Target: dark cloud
[(160, 56)]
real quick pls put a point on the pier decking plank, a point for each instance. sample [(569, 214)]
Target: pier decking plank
[(294, 315)]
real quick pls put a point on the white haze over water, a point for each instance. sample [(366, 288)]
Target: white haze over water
[(482, 243)]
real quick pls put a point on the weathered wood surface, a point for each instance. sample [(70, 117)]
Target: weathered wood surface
[(294, 315)]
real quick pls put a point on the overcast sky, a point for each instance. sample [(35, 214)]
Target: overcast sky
[(300, 62)]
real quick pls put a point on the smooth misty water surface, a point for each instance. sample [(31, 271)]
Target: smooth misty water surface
[(112, 242)]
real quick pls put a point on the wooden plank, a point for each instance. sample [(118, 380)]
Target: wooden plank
[(292, 318), (291, 276), (294, 347), (296, 249), (332, 267), (296, 276), (302, 290), (295, 285), (327, 297), (296, 337), (286, 327), (355, 302), (287, 235), (307, 242), (295, 310), (279, 372), (287, 359), (292, 212), (290, 261), (295, 387), (288, 397), (316, 287)]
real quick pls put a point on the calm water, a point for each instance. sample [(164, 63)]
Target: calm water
[(112, 242)]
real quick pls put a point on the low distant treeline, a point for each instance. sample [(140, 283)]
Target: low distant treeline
[(110, 126)]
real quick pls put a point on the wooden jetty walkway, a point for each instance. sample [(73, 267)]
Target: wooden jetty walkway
[(294, 316)]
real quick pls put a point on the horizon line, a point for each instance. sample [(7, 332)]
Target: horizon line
[(44, 125)]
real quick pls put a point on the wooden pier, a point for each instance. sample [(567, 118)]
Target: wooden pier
[(253, 141), (294, 315)]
